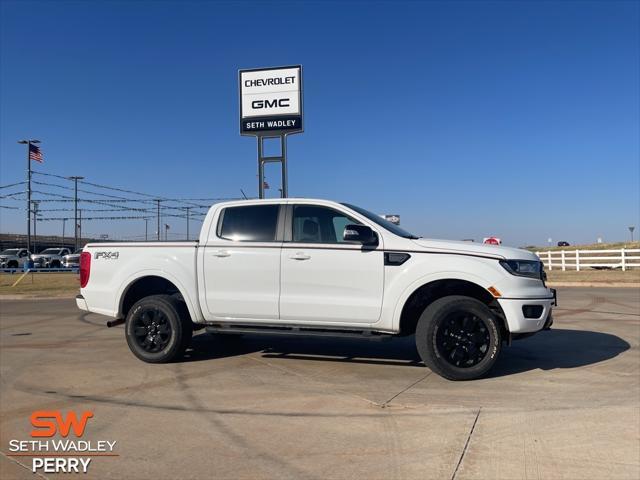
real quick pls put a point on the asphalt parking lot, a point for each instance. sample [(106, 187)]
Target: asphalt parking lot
[(562, 404)]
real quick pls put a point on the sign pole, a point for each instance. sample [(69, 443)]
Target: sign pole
[(282, 159), (283, 142), (260, 167)]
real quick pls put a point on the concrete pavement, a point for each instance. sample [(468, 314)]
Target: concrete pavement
[(561, 404)]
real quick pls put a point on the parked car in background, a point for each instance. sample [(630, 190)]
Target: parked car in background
[(492, 241), (72, 260), (563, 244), (50, 258), (14, 257)]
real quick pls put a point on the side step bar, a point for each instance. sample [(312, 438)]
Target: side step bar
[(302, 331)]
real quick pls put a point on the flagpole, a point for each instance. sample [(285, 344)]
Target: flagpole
[(29, 196), (28, 143)]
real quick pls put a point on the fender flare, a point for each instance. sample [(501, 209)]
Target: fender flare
[(194, 310), (426, 279)]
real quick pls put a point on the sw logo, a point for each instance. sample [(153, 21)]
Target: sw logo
[(60, 455), (48, 422)]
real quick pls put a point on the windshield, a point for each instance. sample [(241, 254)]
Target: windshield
[(11, 251), (50, 251), (387, 225)]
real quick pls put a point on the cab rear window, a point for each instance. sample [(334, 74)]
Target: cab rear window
[(255, 223)]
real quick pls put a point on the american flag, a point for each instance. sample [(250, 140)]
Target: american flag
[(35, 153)]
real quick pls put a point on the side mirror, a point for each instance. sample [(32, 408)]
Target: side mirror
[(361, 234)]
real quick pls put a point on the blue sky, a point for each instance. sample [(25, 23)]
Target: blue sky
[(519, 119)]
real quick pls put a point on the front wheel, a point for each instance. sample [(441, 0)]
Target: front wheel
[(158, 329), (458, 338)]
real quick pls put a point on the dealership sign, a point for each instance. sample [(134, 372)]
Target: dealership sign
[(271, 101)]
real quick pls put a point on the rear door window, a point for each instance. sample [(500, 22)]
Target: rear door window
[(253, 223)]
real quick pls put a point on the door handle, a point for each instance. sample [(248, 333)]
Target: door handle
[(300, 256), (220, 253)]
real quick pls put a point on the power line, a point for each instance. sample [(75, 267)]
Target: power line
[(12, 184), (92, 218), (9, 195), (124, 203), (132, 200), (50, 175)]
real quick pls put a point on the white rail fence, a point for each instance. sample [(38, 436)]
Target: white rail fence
[(622, 258)]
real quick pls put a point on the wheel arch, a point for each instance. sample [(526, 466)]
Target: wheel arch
[(421, 296), (149, 283)]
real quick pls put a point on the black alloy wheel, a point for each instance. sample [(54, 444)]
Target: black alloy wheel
[(463, 339), (151, 330)]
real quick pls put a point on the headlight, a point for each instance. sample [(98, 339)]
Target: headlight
[(523, 268)]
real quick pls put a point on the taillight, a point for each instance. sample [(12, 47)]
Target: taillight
[(85, 268)]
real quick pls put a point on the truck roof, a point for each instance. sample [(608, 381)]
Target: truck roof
[(277, 200)]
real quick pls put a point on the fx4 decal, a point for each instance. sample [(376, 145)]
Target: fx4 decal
[(107, 255)]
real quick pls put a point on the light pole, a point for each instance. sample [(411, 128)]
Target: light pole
[(79, 228), (166, 232), (146, 222), (35, 221), (63, 225), (158, 203), (631, 229), (75, 208), (28, 144)]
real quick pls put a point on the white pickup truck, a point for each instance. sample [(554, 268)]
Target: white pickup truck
[(316, 267)]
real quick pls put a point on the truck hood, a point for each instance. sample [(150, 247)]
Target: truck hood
[(467, 248)]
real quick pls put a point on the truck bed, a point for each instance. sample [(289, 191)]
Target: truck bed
[(114, 266)]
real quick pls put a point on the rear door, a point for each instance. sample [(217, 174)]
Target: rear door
[(324, 278), (241, 264)]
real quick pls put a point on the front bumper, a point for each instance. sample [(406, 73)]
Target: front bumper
[(517, 322)]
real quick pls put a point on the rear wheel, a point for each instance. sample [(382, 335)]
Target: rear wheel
[(158, 329), (12, 264), (458, 338)]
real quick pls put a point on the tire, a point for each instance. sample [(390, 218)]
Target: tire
[(55, 264), (12, 264), (168, 329), (458, 338)]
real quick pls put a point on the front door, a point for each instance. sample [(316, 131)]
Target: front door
[(325, 279), (241, 264)]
